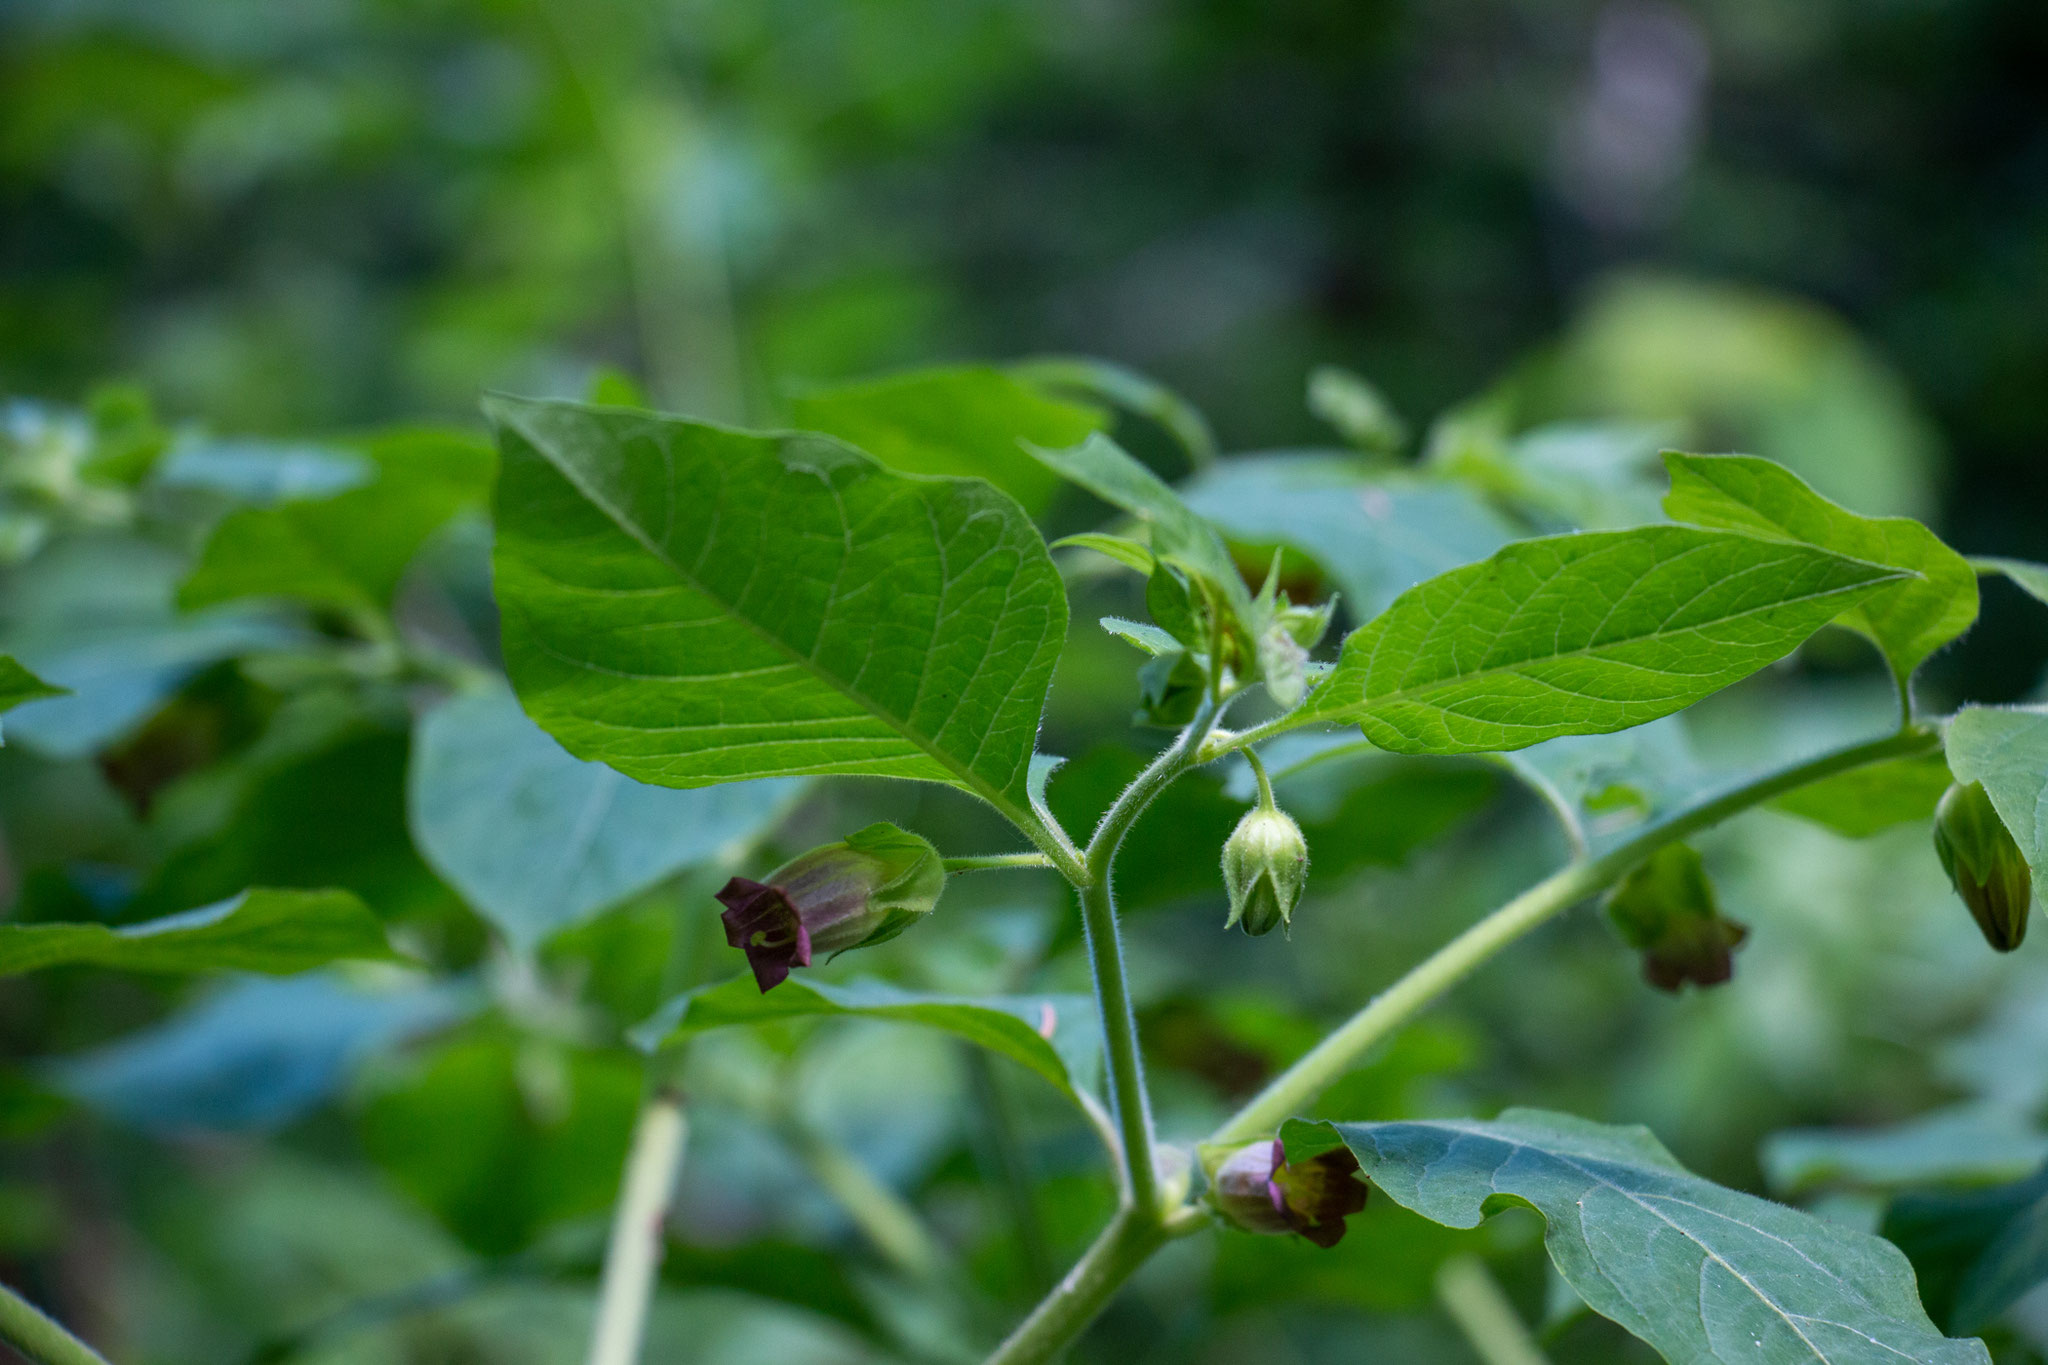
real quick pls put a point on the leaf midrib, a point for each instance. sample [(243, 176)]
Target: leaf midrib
[(965, 776)]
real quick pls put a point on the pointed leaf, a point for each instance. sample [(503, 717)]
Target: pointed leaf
[(1053, 1035), (1909, 620), (18, 685), (1109, 382), (264, 929), (964, 421), (693, 604), (1130, 553), (1702, 1273), (1582, 634), (2031, 578), (2006, 748), (536, 839)]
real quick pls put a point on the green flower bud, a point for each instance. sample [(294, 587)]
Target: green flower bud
[(863, 890), (1265, 865), (1983, 863), (1666, 910), (1257, 1190)]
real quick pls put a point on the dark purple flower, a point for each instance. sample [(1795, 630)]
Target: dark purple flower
[(1259, 1190), (1666, 909)]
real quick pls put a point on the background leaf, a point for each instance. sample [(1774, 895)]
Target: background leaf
[(1967, 1144), (695, 605), (1867, 801), (1977, 1251), (1053, 1035), (1581, 634), (2030, 577), (1908, 620), (964, 421), (536, 839), (346, 551), (264, 929), (1702, 1273)]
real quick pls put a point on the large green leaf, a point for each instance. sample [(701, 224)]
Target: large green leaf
[(2006, 748), (1053, 1035), (265, 929), (1908, 620), (347, 550), (536, 839), (1582, 634), (963, 421), (693, 604), (1702, 1273)]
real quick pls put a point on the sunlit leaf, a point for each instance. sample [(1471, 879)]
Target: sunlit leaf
[(1053, 1035), (964, 421), (693, 604), (1702, 1273), (265, 929), (1908, 620), (1582, 634), (536, 839)]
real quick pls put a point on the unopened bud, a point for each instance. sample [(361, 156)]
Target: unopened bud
[(1666, 910), (1257, 1190), (1265, 865), (1983, 863), (863, 890)]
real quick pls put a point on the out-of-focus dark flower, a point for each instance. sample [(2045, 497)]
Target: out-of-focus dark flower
[(1666, 910), (1984, 864), (863, 890), (1265, 866), (1259, 1190)]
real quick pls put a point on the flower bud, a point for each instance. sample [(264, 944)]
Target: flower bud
[(1666, 910), (1257, 1190), (1265, 865), (1983, 863), (863, 890)]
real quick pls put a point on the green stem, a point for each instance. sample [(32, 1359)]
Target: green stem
[(1474, 1301), (1265, 782), (1128, 1241), (884, 1217), (1106, 957), (1341, 1051), (633, 1259), (39, 1336), (991, 862)]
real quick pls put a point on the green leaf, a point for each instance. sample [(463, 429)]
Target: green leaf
[(1867, 801), (964, 421), (1909, 620), (1053, 1035), (2030, 577), (1702, 1273), (693, 604), (1357, 409), (1582, 634), (1968, 1144), (1108, 382), (1977, 1251), (18, 685), (536, 839), (1179, 536), (1376, 536), (2006, 748), (264, 929), (346, 551), (1130, 553), (1149, 638)]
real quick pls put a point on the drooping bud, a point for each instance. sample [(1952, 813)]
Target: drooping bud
[(1983, 863), (863, 890), (1265, 866), (1666, 910), (1258, 1190)]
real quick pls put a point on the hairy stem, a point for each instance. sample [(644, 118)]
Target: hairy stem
[(993, 862), (1474, 1301), (633, 1259), (1342, 1050), (1128, 1241), (40, 1337)]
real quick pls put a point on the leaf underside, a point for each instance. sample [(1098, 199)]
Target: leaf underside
[(1705, 1274), (693, 604), (1582, 634), (264, 929)]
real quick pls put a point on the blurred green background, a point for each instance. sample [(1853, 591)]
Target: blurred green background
[(1816, 230)]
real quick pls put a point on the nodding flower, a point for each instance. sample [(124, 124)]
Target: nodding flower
[(863, 890), (1984, 864), (1259, 1190)]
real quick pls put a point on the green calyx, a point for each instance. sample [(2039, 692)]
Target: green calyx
[(1265, 866), (1984, 864), (1667, 911)]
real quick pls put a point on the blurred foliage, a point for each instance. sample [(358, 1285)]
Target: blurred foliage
[(1540, 239)]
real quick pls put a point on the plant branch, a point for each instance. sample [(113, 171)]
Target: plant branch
[(40, 1337), (992, 862), (633, 1259), (1474, 1301), (1128, 1241), (1341, 1051)]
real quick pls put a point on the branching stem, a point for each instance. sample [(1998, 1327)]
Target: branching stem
[(40, 1337)]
